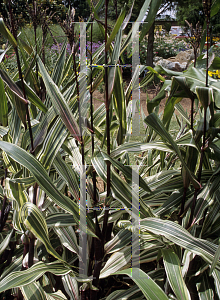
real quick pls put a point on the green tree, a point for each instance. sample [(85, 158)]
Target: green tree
[(192, 11), (20, 11), (82, 8)]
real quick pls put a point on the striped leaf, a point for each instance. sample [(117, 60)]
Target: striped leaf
[(196, 78), (134, 147), (15, 125), (148, 287), (140, 17), (71, 286), (150, 17), (215, 260), (22, 278), (131, 293), (59, 220), (122, 238), (32, 97), (154, 122), (114, 61), (9, 163), (2, 54), (180, 236), (68, 174), (116, 262), (12, 86), (174, 275), (216, 276), (52, 143), (58, 70), (15, 191), (127, 171), (68, 238), (41, 176), (4, 244), (204, 288), (59, 103), (182, 112), (116, 28), (3, 105), (33, 219), (56, 296), (122, 191), (7, 34), (15, 265), (3, 131), (42, 128), (20, 108), (33, 291), (205, 95), (120, 105)]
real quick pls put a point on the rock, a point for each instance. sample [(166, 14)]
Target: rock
[(178, 63), (172, 65), (157, 58), (185, 56), (176, 66)]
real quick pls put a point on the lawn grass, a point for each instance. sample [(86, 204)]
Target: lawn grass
[(27, 34)]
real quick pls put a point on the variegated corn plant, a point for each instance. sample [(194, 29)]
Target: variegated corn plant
[(42, 170)]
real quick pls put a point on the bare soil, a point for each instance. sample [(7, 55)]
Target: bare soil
[(152, 92)]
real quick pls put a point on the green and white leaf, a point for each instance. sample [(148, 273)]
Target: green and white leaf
[(22, 278), (174, 275), (180, 236), (71, 286), (148, 287), (41, 176)]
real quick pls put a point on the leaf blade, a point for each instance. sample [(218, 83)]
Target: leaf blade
[(174, 274), (148, 287)]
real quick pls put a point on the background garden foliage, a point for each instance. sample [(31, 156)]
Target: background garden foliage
[(52, 139)]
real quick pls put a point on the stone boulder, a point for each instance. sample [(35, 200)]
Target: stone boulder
[(172, 65), (185, 56), (178, 63)]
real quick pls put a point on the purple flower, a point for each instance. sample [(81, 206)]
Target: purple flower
[(95, 46)]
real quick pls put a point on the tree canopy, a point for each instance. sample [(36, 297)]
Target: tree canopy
[(192, 11), (57, 7)]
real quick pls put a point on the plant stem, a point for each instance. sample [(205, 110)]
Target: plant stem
[(21, 78), (192, 108), (32, 240), (25, 251), (35, 31), (105, 222), (195, 56), (31, 252), (191, 221), (91, 255), (107, 101), (207, 52), (79, 108), (183, 201), (99, 254), (91, 116), (4, 211), (99, 243), (116, 9), (2, 223), (203, 145)]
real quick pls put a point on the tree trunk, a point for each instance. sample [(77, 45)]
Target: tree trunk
[(150, 54)]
